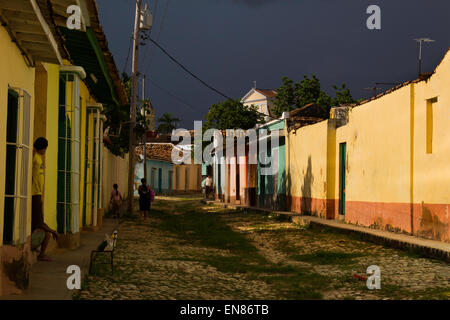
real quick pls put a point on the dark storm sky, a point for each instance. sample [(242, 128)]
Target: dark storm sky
[(231, 43)]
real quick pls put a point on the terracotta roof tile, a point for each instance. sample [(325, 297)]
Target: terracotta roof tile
[(267, 92), (156, 151)]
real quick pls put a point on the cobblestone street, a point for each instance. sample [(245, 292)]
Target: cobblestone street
[(190, 250)]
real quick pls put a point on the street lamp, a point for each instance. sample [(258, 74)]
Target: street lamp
[(420, 41)]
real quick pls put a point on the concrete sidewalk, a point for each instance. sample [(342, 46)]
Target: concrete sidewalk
[(428, 248), (48, 279)]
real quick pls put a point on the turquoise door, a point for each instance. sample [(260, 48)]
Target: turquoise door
[(342, 170), (160, 180)]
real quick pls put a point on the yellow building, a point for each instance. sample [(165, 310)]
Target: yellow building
[(53, 87), (384, 163), (101, 86), (20, 91), (263, 99), (188, 178)]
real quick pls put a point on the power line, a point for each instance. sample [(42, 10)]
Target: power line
[(151, 30), (166, 8), (128, 55), (187, 70), (159, 35), (173, 95)]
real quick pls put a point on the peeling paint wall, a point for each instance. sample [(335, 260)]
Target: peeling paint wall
[(431, 171), (397, 161), (15, 266)]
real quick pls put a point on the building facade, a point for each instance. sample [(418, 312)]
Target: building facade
[(48, 90), (263, 99), (382, 164), (164, 176)]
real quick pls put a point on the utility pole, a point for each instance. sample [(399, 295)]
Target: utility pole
[(145, 134), (131, 160)]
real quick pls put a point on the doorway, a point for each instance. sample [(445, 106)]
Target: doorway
[(342, 172)]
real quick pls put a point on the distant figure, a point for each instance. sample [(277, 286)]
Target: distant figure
[(208, 186), (116, 200), (40, 231), (144, 198), (203, 188)]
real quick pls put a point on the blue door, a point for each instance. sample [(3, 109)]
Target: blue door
[(160, 180)]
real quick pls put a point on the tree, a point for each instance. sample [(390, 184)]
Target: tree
[(343, 96), (285, 97), (232, 114), (167, 123), (296, 95), (118, 123)]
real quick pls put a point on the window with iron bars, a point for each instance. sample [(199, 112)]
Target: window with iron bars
[(93, 166), (17, 167), (69, 119)]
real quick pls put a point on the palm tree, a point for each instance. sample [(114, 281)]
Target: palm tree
[(167, 123)]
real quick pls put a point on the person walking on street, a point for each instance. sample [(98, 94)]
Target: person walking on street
[(208, 186), (144, 198), (116, 200), (204, 188)]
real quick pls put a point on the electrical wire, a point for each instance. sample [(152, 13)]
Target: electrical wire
[(174, 60), (151, 30), (128, 56), (188, 71), (158, 35), (173, 95)]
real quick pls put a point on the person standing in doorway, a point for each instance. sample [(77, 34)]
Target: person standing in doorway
[(39, 228), (144, 198)]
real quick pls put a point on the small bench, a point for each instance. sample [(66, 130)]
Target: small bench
[(101, 249)]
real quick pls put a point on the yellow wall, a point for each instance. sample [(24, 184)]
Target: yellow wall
[(86, 99), (307, 173), (430, 174), (88, 121), (432, 171), (392, 180), (15, 73), (51, 157), (193, 177), (115, 170), (51, 174), (377, 138)]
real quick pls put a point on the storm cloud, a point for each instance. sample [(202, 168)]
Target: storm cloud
[(254, 3)]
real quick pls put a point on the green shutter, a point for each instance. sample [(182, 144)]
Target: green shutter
[(64, 163), (94, 122), (86, 164)]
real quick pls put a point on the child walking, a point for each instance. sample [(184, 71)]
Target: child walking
[(116, 200)]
